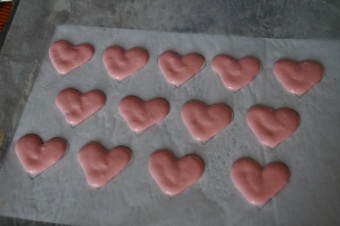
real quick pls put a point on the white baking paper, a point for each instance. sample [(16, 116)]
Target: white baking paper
[(61, 194)]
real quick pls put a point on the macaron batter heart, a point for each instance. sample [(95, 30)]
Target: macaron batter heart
[(120, 63), (100, 166), (204, 122), (235, 74), (271, 127), (36, 156), (65, 57), (297, 77), (141, 115), (258, 184), (174, 175), (178, 69), (77, 107)]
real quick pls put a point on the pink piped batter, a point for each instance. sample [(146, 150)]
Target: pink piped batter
[(36, 156), (204, 122), (141, 115), (297, 77), (101, 166), (121, 63), (258, 185), (174, 175), (271, 127), (65, 57), (235, 74), (77, 107), (178, 69)]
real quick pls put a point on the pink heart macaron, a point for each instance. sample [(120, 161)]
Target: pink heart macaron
[(101, 166), (178, 69), (36, 156), (258, 184), (140, 115), (66, 57), (271, 127), (174, 175), (77, 107), (297, 77), (120, 63), (203, 121), (235, 74)]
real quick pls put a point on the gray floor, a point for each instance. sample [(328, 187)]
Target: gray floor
[(34, 23)]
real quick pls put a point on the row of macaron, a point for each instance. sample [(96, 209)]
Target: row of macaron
[(172, 175), (296, 77), (270, 126)]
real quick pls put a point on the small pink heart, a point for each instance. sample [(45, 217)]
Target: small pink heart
[(77, 107), (174, 175), (36, 156), (100, 166), (178, 69), (258, 185), (235, 74), (121, 63), (204, 122), (271, 127), (297, 77), (141, 115), (65, 57)]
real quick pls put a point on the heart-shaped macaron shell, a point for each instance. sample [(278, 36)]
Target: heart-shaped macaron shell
[(141, 115), (178, 69), (77, 107), (174, 175), (99, 165), (120, 63), (36, 156), (66, 57), (258, 184), (235, 74), (203, 121), (297, 77), (271, 127)]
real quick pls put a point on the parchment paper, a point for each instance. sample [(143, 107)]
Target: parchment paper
[(61, 194)]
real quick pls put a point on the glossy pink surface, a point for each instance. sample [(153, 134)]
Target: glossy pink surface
[(141, 115), (65, 57), (36, 156), (271, 127), (204, 122), (101, 166), (77, 107), (174, 175), (120, 63), (235, 74), (297, 77), (178, 69), (258, 185)]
